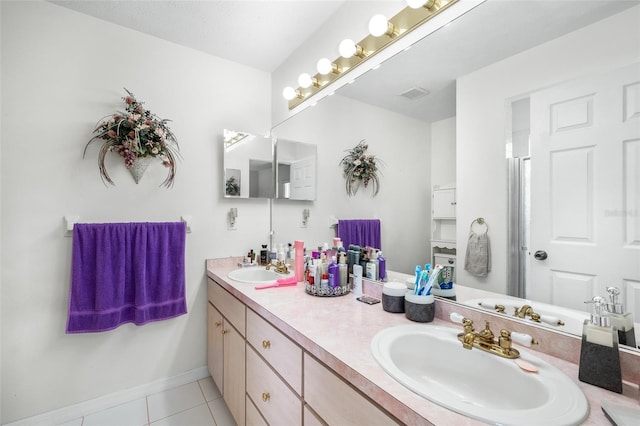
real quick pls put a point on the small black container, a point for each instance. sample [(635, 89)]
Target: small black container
[(393, 297), (419, 308)]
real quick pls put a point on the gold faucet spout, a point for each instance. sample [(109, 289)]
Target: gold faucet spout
[(486, 340)]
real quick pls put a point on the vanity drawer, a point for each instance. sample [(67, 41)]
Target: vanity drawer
[(274, 399), (230, 307), (335, 401), (253, 416), (445, 259), (284, 356)]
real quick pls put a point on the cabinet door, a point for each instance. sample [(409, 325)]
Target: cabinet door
[(215, 344), (335, 401), (278, 403), (281, 353), (444, 203), (234, 372)]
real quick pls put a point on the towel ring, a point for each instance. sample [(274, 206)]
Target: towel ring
[(480, 221)]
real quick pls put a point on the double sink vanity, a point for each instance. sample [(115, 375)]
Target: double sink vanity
[(281, 356)]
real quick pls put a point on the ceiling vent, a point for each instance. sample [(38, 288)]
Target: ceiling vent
[(414, 93)]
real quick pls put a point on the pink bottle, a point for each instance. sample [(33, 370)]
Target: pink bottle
[(298, 246)]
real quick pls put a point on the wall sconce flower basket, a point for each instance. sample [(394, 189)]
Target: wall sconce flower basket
[(359, 168), (138, 136), (232, 186)]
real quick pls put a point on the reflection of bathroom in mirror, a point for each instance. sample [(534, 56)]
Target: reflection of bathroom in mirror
[(248, 165), (296, 175), (548, 44)]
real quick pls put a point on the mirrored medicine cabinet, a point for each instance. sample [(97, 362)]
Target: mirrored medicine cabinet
[(264, 167)]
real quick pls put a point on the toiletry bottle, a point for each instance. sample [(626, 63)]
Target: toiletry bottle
[(317, 271), (357, 280), (343, 270), (324, 283), (311, 273), (334, 273), (324, 266), (372, 266), (263, 255), (353, 257), (299, 263), (599, 356), (382, 267), (619, 320)]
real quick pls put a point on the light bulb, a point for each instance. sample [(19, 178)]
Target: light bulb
[(429, 4), (324, 66), (305, 80), (415, 4), (378, 25), (347, 48), (289, 93)]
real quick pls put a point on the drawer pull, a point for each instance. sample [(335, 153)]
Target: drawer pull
[(224, 331), (265, 396), (266, 344), (217, 324)]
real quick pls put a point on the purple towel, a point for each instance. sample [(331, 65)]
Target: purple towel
[(126, 272), (362, 232)]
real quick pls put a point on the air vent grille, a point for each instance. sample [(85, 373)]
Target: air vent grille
[(414, 93)]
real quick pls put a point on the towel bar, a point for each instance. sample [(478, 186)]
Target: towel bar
[(71, 220)]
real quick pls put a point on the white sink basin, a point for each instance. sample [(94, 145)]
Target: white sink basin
[(430, 361), (256, 275)]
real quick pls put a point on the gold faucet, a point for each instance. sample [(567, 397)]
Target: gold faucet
[(280, 267), (486, 341), (527, 311)]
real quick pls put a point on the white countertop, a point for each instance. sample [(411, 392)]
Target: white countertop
[(338, 331)]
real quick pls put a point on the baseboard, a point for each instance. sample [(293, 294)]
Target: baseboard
[(76, 411)]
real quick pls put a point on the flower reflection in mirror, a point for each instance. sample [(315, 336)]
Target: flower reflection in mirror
[(359, 168)]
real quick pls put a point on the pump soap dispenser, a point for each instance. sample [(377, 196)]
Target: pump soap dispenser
[(621, 321), (599, 356)]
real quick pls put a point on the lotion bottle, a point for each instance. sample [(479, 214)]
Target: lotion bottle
[(357, 280), (334, 273), (382, 267), (372, 266), (298, 246), (343, 271), (619, 320), (599, 356)]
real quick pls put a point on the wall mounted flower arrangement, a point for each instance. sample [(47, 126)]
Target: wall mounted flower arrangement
[(138, 136), (359, 168)]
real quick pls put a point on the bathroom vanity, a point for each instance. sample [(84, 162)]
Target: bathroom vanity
[(282, 356)]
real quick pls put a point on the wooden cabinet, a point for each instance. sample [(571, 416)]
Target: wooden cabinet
[(267, 379), (444, 203), (226, 347), (278, 404), (274, 372), (443, 226), (336, 402)]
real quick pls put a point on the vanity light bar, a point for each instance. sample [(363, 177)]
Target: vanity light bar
[(402, 23)]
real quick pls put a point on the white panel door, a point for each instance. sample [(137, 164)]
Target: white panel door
[(585, 190), (303, 179)]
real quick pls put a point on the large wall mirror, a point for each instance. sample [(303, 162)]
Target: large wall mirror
[(548, 39)]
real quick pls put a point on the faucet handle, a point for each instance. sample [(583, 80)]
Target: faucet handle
[(456, 317), (523, 339)]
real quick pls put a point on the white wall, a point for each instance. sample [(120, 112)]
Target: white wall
[(481, 166), (403, 204), (61, 72), (443, 151)]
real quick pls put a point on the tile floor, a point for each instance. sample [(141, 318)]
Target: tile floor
[(194, 404)]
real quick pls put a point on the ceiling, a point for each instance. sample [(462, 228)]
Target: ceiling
[(258, 34), (254, 33)]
